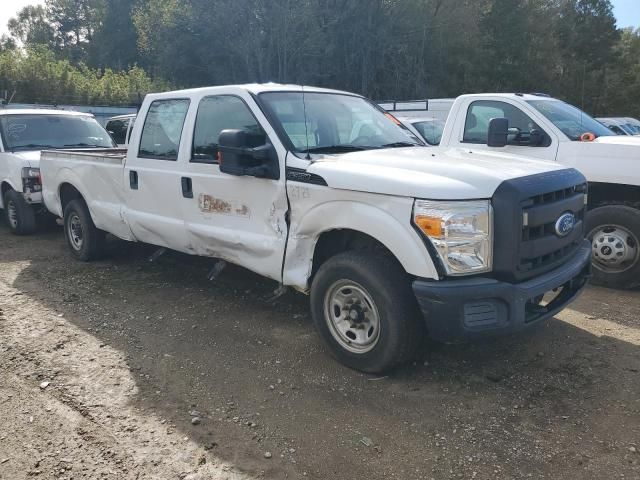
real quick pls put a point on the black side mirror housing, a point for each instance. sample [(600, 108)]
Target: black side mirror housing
[(243, 153), (498, 132)]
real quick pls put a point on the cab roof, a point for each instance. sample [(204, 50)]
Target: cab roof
[(523, 96), (254, 88), (41, 111)]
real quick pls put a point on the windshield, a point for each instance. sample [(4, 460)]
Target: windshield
[(334, 123), (39, 132), (431, 130), (572, 121)]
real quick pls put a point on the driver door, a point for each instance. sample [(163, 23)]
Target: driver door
[(476, 129), (236, 218)]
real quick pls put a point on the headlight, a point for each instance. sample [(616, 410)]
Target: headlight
[(461, 232)]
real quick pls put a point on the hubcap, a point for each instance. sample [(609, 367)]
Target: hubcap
[(614, 248), (75, 232), (352, 317), (12, 214)]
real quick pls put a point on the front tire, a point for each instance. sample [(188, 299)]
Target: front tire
[(19, 215), (84, 239), (363, 307), (614, 232)]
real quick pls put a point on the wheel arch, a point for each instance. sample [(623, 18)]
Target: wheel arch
[(602, 193), (352, 226)]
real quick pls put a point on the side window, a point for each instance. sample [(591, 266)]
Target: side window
[(117, 130), (480, 113), (163, 128), (219, 113)]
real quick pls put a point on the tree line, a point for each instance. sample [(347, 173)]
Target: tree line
[(110, 51)]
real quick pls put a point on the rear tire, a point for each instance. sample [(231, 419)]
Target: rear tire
[(19, 215), (85, 241), (363, 307), (614, 232)]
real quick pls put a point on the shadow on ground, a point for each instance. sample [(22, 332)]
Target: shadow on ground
[(559, 402)]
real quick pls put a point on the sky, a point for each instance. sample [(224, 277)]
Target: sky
[(627, 11)]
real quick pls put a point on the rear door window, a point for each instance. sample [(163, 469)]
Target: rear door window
[(162, 129)]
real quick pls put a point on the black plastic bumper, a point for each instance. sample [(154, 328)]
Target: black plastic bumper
[(459, 310)]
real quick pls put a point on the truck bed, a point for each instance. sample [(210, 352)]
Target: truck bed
[(97, 174)]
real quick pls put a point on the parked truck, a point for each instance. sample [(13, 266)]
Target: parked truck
[(543, 127), (320, 191), (23, 134)]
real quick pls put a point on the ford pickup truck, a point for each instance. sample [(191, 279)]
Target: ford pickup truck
[(23, 134), (543, 127), (321, 191)]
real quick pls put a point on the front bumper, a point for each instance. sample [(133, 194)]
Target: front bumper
[(459, 310)]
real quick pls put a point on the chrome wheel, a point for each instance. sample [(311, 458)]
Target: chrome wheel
[(12, 214), (75, 232), (614, 248), (352, 316)]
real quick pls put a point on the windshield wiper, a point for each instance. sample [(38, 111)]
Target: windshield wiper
[(337, 149), (31, 146), (399, 145), (91, 145)]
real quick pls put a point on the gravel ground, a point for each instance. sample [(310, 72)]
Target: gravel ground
[(129, 369)]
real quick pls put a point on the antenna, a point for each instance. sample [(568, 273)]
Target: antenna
[(306, 132)]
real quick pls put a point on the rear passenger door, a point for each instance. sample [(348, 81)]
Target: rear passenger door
[(236, 218), (152, 176)]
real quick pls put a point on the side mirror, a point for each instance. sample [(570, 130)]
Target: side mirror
[(243, 153), (498, 131)]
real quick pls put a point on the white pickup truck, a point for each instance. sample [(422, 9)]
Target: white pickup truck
[(23, 134), (546, 128), (320, 191)]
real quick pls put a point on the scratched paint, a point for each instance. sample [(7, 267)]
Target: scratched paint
[(210, 204)]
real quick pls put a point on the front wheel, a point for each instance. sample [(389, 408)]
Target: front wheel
[(363, 307), (85, 241), (614, 232), (19, 215)]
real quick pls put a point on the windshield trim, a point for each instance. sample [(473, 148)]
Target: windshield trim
[(284, 138)]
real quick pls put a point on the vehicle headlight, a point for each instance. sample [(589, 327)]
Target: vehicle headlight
[(461, 232)]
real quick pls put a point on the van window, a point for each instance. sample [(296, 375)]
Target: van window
[(481, 112), (162, 129), (217, 113)]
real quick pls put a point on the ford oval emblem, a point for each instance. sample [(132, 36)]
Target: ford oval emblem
[(565, 224)]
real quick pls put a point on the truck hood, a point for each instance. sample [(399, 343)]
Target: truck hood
[(619, 140), (30, 158), (431, 173)]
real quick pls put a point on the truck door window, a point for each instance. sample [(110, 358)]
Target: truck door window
[(217, 113), (481, 112), (162, 129)]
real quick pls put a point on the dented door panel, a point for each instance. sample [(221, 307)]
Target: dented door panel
[(238, 219)]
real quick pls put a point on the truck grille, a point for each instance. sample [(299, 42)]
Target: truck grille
[(531, 207)]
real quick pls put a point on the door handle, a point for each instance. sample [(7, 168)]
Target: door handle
[(187, 187), (133, 179)]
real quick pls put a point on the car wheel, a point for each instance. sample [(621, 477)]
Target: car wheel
[(614, 232), (363, 307), (19, 215), (85, 241)]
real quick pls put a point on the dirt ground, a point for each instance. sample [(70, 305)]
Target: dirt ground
[(104, 366)]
